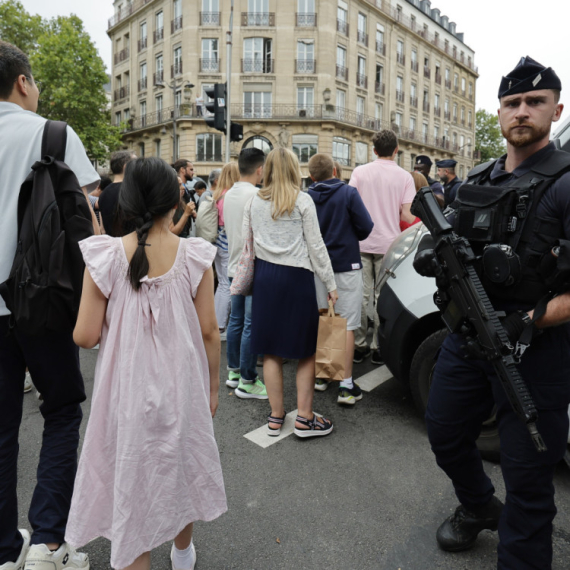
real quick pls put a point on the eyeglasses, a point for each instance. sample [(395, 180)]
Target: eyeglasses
[(38, 84)]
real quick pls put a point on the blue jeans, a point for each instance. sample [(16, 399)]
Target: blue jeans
[(53, 361), (238, 338)]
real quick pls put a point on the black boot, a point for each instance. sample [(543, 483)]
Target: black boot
[(460, 530)]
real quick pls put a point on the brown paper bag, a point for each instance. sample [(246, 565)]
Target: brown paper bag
[(331, 345)]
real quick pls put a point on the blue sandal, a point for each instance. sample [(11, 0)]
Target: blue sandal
[(273, 420), (318, 426)]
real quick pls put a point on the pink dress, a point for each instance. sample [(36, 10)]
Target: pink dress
[(149, 464)]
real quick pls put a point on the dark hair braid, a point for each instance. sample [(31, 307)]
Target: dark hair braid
[(149, 190)]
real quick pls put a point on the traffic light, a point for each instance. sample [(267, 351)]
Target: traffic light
[(236, 132), (217, 107)]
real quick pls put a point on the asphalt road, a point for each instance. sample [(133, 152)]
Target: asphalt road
[(369, 496)]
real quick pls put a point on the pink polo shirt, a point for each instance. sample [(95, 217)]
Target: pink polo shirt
[(384, 187)]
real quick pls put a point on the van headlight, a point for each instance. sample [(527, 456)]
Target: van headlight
[(401, 247)]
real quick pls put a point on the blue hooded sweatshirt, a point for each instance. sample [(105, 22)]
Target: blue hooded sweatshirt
[(344, 221)]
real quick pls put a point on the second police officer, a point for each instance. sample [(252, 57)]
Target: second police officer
[(446, 173), (521, 201)]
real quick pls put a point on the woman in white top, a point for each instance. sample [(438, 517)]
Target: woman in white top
[(289, 249)]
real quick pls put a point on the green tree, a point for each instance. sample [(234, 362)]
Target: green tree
[(18, 27), (488, 137)]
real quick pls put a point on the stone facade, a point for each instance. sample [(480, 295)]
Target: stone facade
[(306, 74)]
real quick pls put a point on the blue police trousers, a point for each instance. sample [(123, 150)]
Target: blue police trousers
[(462, 396), (53, 361)]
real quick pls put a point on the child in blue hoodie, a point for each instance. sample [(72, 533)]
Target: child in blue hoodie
[(344, 221)]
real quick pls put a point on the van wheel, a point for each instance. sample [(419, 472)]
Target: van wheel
[(421, 372)]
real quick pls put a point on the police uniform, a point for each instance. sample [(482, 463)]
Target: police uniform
[(464, 390), (449, 188), (433, 184)]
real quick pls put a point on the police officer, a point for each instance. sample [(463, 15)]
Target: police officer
[(530, 211), (446, 173), (423, 165)]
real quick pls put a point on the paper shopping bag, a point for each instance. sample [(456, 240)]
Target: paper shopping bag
[(331, 345)]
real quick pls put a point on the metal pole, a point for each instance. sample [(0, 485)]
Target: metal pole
[(229, 37), (173, 87)]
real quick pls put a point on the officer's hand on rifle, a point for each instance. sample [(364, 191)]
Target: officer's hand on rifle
[(426, 263)]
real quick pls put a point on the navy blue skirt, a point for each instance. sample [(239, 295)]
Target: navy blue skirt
[(285, 315)]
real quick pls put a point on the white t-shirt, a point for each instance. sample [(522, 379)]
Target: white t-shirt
[(235, 200), (20, 147)]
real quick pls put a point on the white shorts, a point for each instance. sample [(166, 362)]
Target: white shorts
[(349, 288)]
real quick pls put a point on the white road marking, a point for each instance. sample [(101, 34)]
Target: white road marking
[(264, 440), (374, 378)]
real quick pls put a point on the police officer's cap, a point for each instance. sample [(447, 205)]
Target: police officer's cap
[(447, 163), (423, 159), (528, 75)]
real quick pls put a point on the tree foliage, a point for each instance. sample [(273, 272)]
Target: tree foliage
[(488, 137), (72, 73)]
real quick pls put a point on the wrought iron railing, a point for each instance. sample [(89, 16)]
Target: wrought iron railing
[(142, 43), (209, 18), (176, 69), (257, 65), (121, 93), (342, 27), (306, 20), (142, 83), (158, 35), (400, 58), (176, 24), (305, 65), (342, 72), (414, 65), (362, 37), (266, 19), (381, 48), (380, 88), (121, 56), (413, 101), (158, 77), (210, 65), (362, 80)]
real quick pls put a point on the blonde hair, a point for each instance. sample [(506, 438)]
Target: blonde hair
[(419, 180), (338, 168), (228, 177), (282, 181)]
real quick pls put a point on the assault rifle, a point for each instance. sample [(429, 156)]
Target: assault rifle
[(464, 303)]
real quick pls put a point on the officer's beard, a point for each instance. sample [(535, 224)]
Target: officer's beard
[(531, 134)]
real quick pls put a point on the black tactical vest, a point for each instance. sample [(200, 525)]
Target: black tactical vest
[(502, 224)]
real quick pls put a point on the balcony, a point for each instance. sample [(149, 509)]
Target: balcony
[(263, 19), (176, 69), (209, 18), (341, 72), (413, 101), (455, 119), (209, 65), (306, 20), (257, 65), (362, 37), (121, 93), (362, 80), (305, 65), (400, 96), (157, 35), (380, 88), (447, 115), (448, 83), (426, 106), (438, 78), (123, 55), (158, 77), (437, 111), (427, 72), (142, 43), (414, 65), (462, 122), (400, 58), (456, 89), (124, 13), (463, 93), (342, 27), (381, 48), (176, 24), (142, 83)]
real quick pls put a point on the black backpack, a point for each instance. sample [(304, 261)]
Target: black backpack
[(44, 287)]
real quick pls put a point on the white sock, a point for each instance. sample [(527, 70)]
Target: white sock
[(347, 383), (183, 559)]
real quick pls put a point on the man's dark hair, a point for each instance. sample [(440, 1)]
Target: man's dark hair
[(249, 160), (385, 142), (105, 181), (180, 163), (13, 63), (200, 184), (120, 159)]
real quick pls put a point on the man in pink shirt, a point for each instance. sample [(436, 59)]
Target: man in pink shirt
[(387, 192)]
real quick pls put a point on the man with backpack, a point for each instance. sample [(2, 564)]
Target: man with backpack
[(50, 354)]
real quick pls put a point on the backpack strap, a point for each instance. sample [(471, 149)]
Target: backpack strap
[(54, 140)]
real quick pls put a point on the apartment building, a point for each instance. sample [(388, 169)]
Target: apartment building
[(310, 75)]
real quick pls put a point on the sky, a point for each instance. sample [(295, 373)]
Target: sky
[(499, 31)]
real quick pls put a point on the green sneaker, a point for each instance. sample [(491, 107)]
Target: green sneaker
[(233, 379), (255, 390), (321, 385)]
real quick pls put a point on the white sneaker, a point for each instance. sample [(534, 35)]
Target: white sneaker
[(28, 383), (19, 564), (193, 557), (40, 557)]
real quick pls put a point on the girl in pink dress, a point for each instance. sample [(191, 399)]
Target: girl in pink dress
[(150, 465)]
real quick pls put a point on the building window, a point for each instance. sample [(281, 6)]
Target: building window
[(258, 13), (143, 113), (400, 52), (455, 112), (141, 150), (158, 105), (425, 135), (360, 153), (257, 55), (157, 148), (342, 17), (142, 43), (380, 39), (412, 125), (305, 146), (306, 16), (209, 147), (305, 56), (158, 26), (379, 112), (341, 150), (118, 118), (143, 76), (470, 119), (305, 101), (414, 59), (210, 61), (178, 98), (257, 104), (361, 78), (360, 106), (177, 59), (436, 133), (341, 70), (259, 142), (379, 87), (456, 82), (159, 69), (340, 103), (362, 35), (210, 15), (463, 82), (398, 120)]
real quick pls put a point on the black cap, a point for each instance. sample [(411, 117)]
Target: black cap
[(528, 75), (423, 159), (447, 163)]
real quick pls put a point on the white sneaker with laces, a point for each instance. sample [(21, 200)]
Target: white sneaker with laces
[(40, 557), (19, 564)]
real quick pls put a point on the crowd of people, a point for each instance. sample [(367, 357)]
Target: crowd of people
[(150, 466)]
